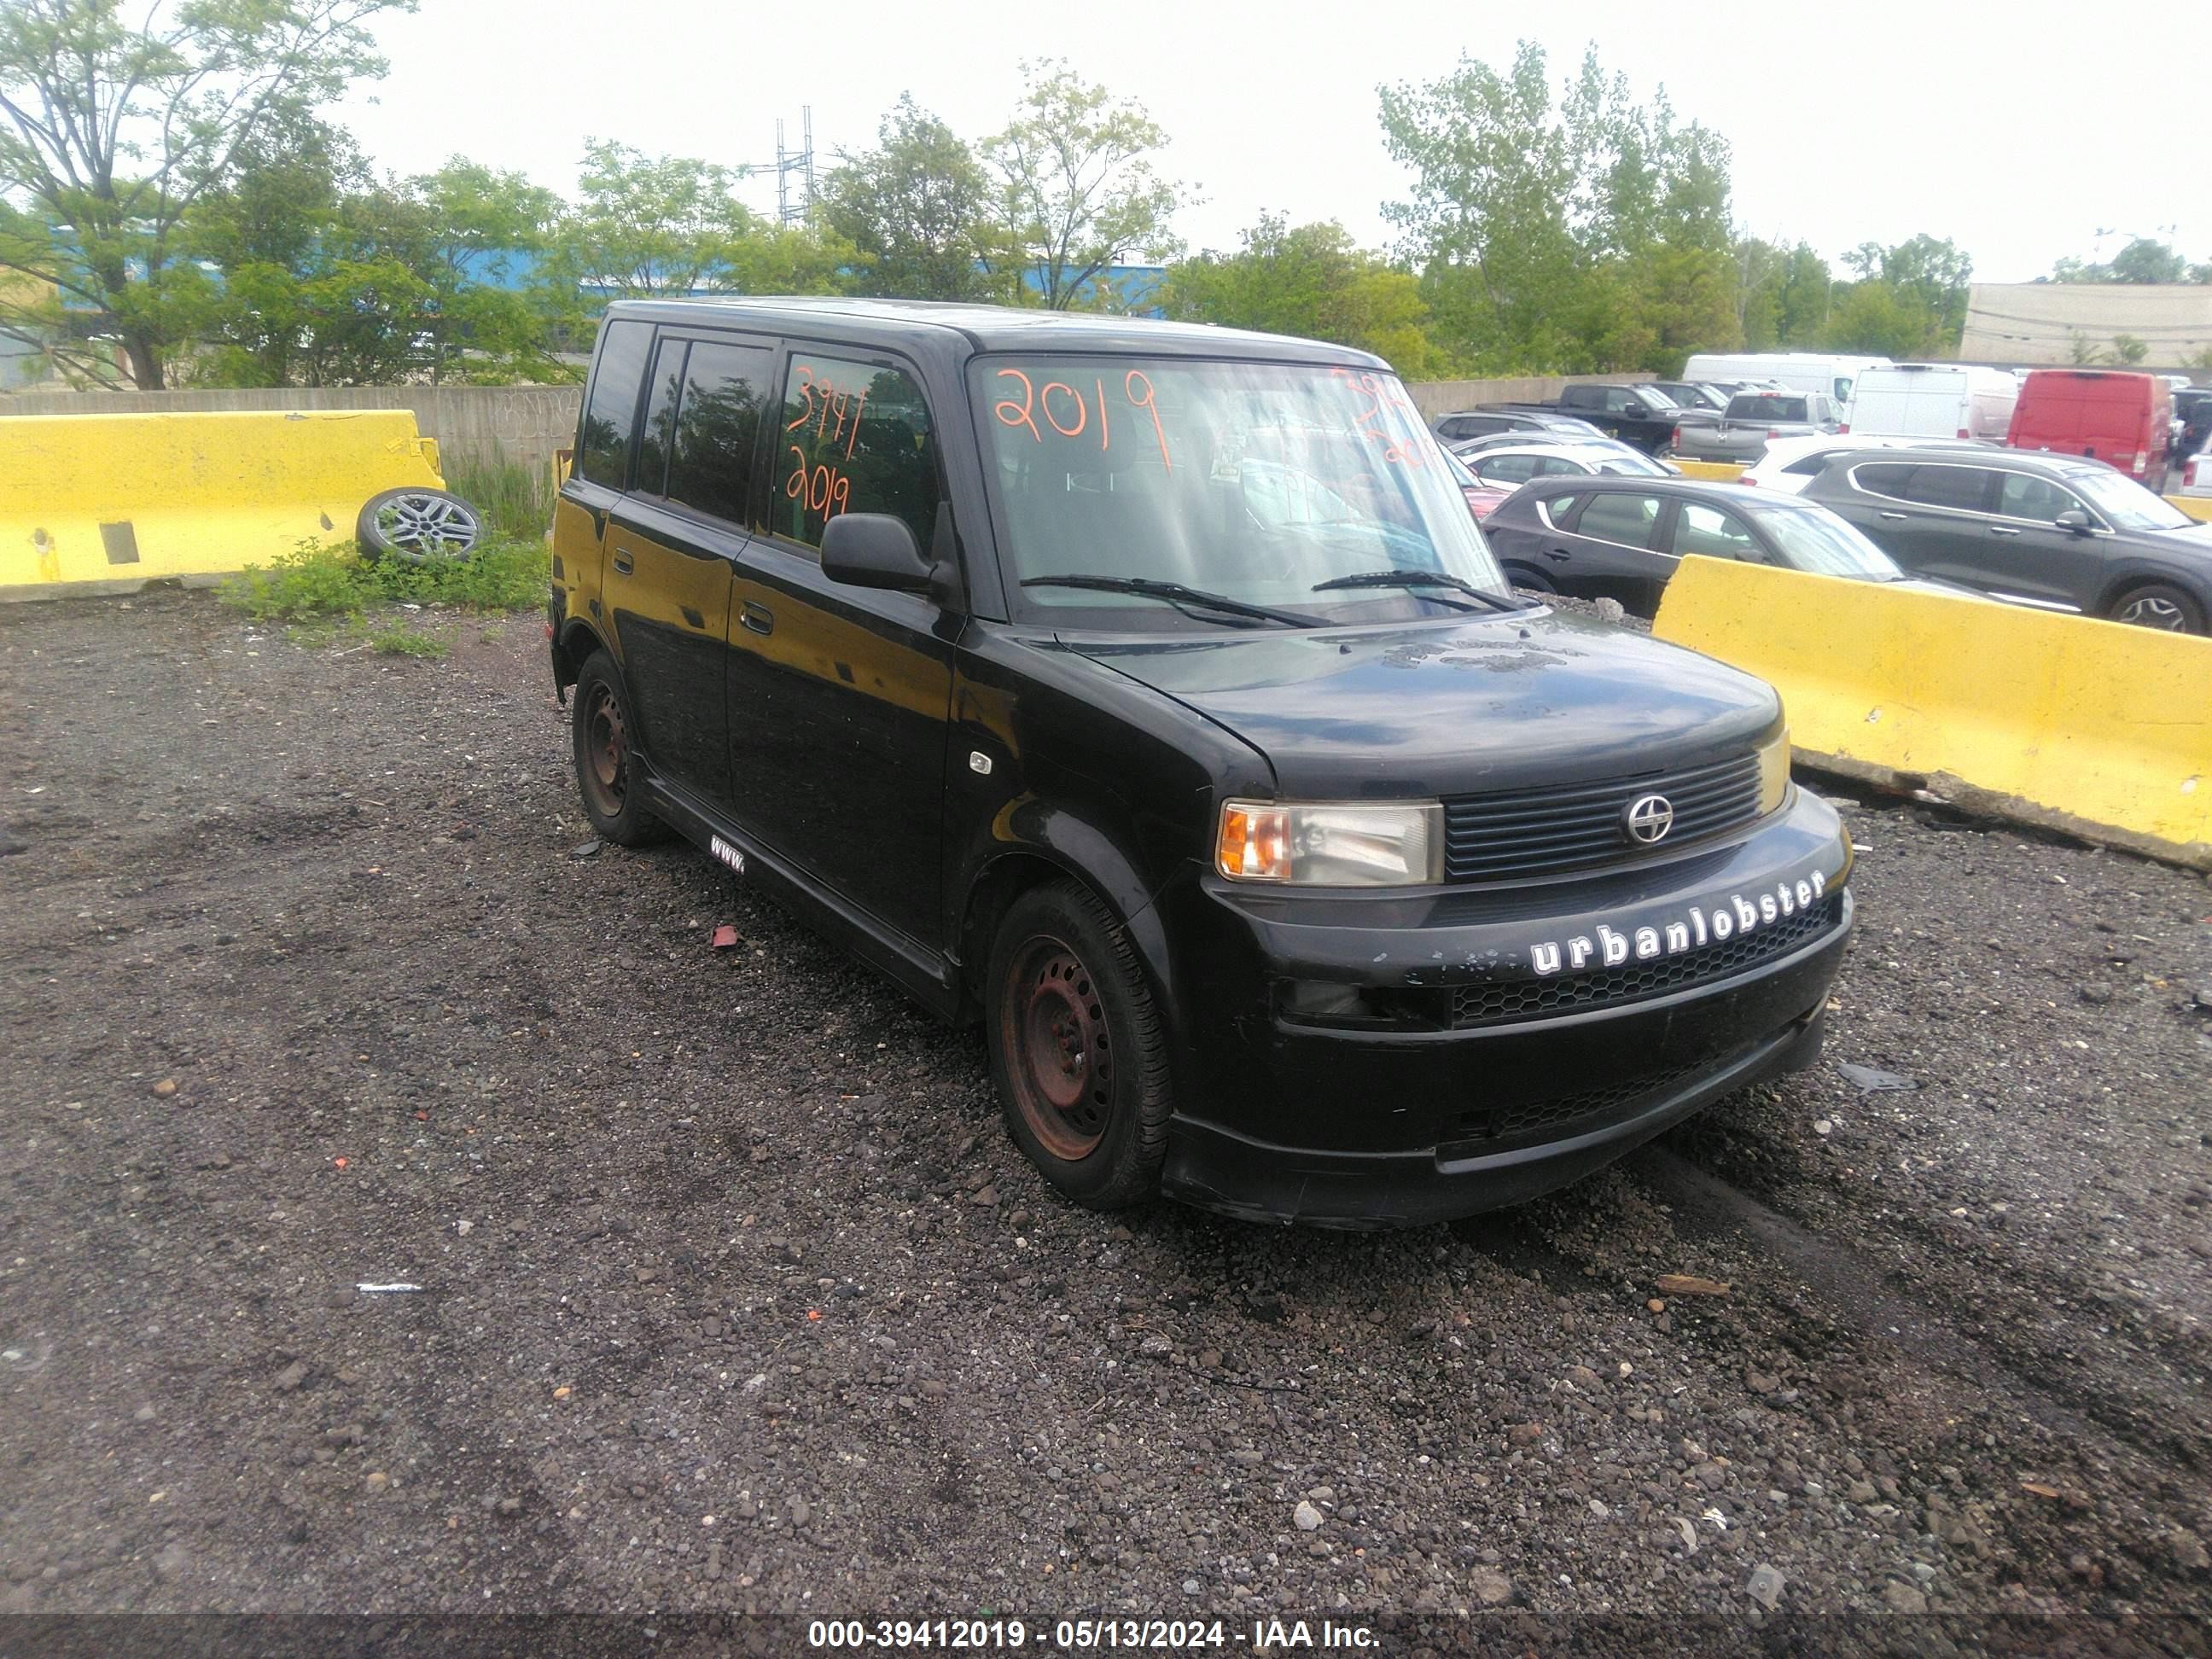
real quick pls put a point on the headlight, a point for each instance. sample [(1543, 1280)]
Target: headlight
[(1774, 774), (1332, 844)]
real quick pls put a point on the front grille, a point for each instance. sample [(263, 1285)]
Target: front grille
[(1471, 1130), (1532, 998), (1536, 832)]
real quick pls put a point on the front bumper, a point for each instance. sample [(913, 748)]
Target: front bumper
[(1518, 1081)]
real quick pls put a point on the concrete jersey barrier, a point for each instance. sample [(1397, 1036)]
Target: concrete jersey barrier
[(2089, 726), (103, 503)]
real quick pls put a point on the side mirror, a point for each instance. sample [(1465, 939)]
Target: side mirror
[(2075, 519), (873, 549)]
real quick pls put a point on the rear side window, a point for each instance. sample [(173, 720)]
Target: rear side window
[(1624, 518), (1883, 479), (855, 438), (603, 444), (1962, 487), (1506, 469), (710, 462)]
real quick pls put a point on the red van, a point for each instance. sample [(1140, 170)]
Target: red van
[(2123, 419)]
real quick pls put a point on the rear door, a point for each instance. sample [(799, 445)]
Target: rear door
[(1929, 517), (1612, 544), (673, 546), (839, 697), (606, 432)]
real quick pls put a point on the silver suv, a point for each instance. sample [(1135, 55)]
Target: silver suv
[(1752, 418)]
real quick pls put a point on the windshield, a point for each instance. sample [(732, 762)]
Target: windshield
[(1812, 539), (2126, 503), (1253, 480)]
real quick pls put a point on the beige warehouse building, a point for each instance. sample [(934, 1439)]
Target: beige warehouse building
[(2052, 322)]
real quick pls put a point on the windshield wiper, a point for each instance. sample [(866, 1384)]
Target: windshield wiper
[(1419, 578), (1176, 593)]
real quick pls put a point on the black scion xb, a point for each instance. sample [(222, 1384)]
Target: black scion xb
[(1148, 694)]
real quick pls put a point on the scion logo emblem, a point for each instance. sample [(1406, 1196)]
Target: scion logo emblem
[(1648, 819)]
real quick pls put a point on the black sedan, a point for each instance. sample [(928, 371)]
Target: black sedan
[(2057, 531), (1621, 538)]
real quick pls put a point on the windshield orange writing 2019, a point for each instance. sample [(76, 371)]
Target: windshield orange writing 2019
[(1073, 413), (833, 417), (1376, 395)]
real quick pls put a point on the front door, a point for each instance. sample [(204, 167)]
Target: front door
[(839, 697), (2034, 557)]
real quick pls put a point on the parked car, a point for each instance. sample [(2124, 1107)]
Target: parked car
[(1622, 538), (1694, 394), (2105, 414), (2192, 408), (1141, 693), (1753, 420), (2196, 475), (1514, 465), (1932, 400), (1596, 443), (2049, 531), (1482, 499), (1480, 422), (1829, 374), (1636, 415), (1790, 464)]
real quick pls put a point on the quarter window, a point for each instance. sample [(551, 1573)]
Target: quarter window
[(603, 444), (1624, 518), (854, 438), (1709, 530), (710, 463), (652, 439)]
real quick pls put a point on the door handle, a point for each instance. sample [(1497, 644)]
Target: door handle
[(624, 561), (1900, 516), (2003, 530), (758, 617), (1557, 553)]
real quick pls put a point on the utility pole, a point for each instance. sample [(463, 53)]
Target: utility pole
[(800, 161)]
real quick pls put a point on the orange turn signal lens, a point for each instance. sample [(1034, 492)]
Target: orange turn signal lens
[(1256, 842)]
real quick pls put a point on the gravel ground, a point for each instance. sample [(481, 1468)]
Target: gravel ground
[(735, 1296)]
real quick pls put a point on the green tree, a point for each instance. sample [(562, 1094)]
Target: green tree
[(1583, 233), (114, 131), (921, 210), (2144, 259), (1782, 295), (1312, 281), (1910, 300), (646, 226), (1079, 186)]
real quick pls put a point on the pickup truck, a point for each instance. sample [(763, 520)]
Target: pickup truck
[(1640, 415), (1754, 417)]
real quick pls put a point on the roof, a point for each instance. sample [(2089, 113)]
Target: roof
[(996, 328)]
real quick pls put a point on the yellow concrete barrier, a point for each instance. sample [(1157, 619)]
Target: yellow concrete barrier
[(2196, 506), (2101, 730), (1710, 471), (102, 503)]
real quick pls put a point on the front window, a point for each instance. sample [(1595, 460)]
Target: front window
[(856, 438), (1815, 539), (2126, 504), (1264, 483)]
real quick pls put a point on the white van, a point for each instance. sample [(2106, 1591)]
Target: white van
[(1799, 371), (1932, 400)]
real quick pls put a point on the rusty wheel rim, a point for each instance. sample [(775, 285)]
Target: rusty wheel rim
[(1059, 1050), (606, 753)]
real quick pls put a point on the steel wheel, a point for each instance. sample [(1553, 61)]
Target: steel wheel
[(1060, 1056), (606, 751)]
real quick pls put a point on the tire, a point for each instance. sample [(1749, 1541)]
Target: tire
[(606, 770), (2159, 604), (417, 526), (1535, 581), (1079, 1053)]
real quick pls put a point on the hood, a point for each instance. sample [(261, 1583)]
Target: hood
[(1454, 709)]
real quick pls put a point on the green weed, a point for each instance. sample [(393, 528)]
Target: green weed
[(312, 579), (319, 580), (515, 500), (403, 641)]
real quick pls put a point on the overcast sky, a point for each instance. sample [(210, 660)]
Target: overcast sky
[(2021, 129)]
